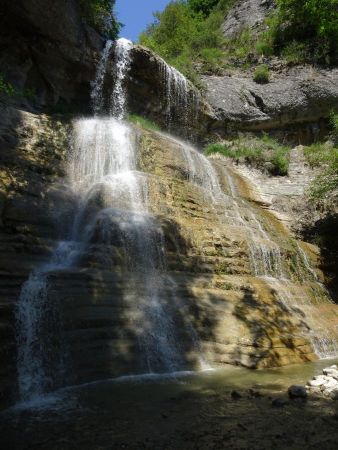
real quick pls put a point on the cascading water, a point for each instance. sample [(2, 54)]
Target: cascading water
[(180, 101), (112, 208), (266, 258), (112, 212)]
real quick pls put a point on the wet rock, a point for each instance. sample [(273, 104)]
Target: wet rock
[(297, 391), (325, 385), (236, 395), (279, 402)]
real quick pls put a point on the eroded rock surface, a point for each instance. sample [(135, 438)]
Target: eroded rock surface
[(47, 47), (294, 102), (32, 150), (246, 14)]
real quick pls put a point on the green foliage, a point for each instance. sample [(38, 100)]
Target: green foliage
[(264, 153), (100, 15), (311, 22), (10, 91), (323, 191), (320, 154), (202, 6), (143, 122), (334, 126), (262, 74), (6, 88), (188, 33)]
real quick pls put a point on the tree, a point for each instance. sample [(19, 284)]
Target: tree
[(202, 6), (100, 15)]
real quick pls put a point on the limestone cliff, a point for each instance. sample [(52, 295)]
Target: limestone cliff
[(47, 47)]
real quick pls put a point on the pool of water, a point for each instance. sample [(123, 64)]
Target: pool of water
[(176, 411)]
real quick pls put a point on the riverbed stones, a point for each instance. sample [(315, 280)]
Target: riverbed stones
[(297, 391), (325, 385)]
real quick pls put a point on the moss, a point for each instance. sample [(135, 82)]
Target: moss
[(143, 122)]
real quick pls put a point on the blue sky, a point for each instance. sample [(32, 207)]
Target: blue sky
[(136, 15)]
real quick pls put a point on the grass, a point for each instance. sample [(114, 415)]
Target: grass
[(323, 190), (143, 122), (261, 74), (263, 153), (10, 91)]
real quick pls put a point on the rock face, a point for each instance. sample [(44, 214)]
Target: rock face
[(32, 150), (211, 277), (281, 195), (47, 47), (294, 103), (159, 92), (246, 14)]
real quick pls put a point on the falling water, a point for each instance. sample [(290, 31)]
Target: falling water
[(180, 101), (97, 88), (112, 207), (122, 66)]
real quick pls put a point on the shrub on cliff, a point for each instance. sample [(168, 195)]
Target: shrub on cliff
[(263, 153), (188, 34), (100, 15), (303, 31), (261, 74)]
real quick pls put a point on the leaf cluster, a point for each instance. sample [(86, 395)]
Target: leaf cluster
[(100, 15)]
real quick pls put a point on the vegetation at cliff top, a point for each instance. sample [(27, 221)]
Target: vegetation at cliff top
[(100, 15), (263, 153), (188, 35)]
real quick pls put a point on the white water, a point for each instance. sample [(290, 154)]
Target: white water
[(180, 101), (112, 194), (122, 66)]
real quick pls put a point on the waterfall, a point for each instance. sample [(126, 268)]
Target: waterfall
[(112, 212), (122, 66), (267, 263), (97, 87), (179, 99), (112, 208)]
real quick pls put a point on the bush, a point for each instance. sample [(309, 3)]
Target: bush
[(334, 126), (100, 15), (202, 6), (312, 22), (10, 91), (188, 33), (261, 74), (264, 153)]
